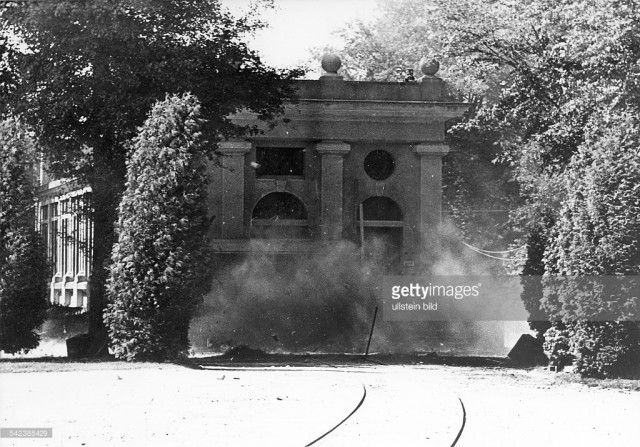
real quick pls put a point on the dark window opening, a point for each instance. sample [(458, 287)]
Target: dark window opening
[(280, 205), (381, 208), (280, 161), (379, 165)]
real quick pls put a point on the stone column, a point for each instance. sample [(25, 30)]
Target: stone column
[(232, 212), (332, 153), (430, 190)]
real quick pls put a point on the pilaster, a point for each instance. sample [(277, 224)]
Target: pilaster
[(332, 155), (430, 155), (232, 160)]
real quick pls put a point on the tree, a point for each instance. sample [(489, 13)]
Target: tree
[(94, 68), (564, 61), (23, 265), (598, 234), (406, 33), (160, 266), (565, 119), (386, 48)]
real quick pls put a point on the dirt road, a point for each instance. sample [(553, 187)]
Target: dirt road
[(167, 405)]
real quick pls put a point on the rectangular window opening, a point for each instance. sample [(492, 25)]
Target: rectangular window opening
[(280, 161)]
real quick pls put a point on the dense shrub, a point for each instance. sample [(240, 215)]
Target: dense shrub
[(160, 262), (557, 345), (606, 349), (598, 234), (23, 265), (597, 349)]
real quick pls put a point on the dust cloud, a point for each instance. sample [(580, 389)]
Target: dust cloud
[(324, 302)]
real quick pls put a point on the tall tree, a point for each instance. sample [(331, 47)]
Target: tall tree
[(23, 265), (160, 266), (598, 233), (88, 71), (565, 120)]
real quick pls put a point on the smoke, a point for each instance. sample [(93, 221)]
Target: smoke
[(452, 257), (449, 256), (324, 301), (287, 303)]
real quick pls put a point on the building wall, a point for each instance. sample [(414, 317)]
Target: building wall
[(338, 124)]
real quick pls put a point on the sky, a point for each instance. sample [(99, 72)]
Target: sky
[(296, 26)]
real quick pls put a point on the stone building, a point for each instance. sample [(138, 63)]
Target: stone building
[(349, 160)]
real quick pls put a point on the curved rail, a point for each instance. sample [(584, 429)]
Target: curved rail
[(464, 422), (364, 395)]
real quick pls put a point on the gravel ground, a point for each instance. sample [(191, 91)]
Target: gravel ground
[(100, 404)]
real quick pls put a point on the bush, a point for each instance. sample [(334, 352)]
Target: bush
[(606, 349), (557, 345), (23, 266), (597, 234), (597, 349), (161, 260)]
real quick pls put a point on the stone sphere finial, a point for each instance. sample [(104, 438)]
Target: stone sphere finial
[(331, 63), (429, 67)]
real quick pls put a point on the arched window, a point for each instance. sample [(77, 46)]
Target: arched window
[(280, 215)]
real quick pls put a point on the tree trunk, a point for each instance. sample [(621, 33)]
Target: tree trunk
[(107, 185)]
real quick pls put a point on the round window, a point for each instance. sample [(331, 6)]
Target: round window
[(379, 165)]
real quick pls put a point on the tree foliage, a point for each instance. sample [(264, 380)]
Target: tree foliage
[(94, 69), (603, 349), (598, 228), (566, 117), (87, 72), (598, 233), (23, 265), (387, 47), (160, 262)]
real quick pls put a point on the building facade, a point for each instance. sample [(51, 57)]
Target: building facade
[(349, 160)]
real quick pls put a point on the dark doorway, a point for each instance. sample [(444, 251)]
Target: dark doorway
[(380, 233)]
